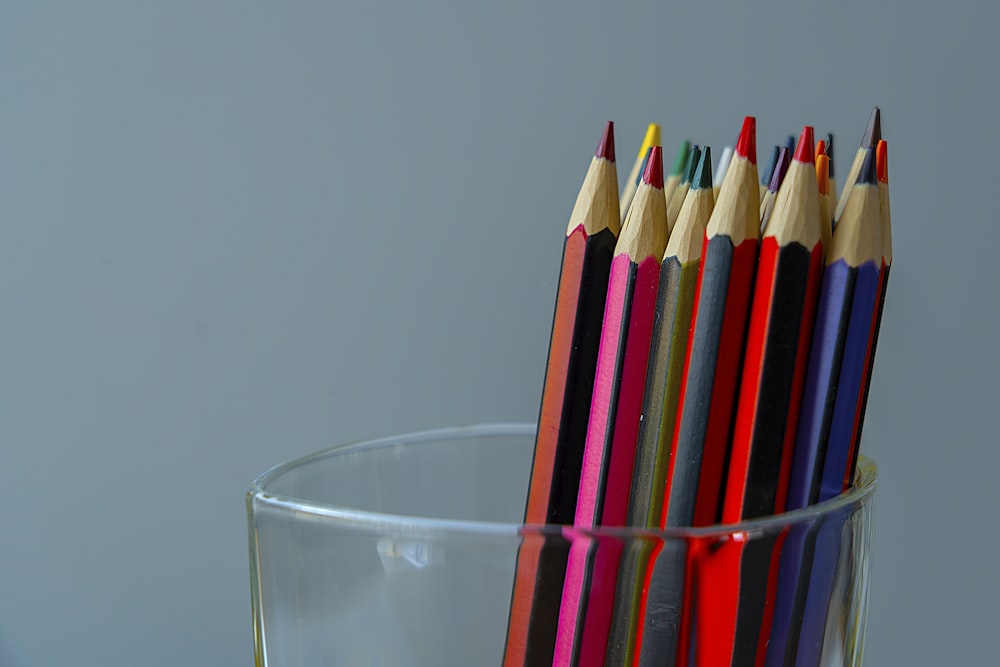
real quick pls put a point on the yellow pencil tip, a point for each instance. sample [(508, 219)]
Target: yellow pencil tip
[(652, 138)]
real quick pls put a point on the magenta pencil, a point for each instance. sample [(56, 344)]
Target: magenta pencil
[(609, 453)]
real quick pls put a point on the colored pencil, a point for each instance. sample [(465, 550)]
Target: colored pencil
[(701, 440), (609, 454), (774, 367), (840, 339), (674, 301), (651, 138), (784, 302), (715, 344), (562, 426), (676, 171), (823, 185), (720, 170), (842, 333), (885, 220), (677, 200), (777, 177), (833, 180), (765, 175), (820, 396), (873, 132)]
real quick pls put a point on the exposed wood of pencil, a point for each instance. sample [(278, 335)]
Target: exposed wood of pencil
[(873, 132), (588, 592), (675, 298), (651, 138), (590, 239)]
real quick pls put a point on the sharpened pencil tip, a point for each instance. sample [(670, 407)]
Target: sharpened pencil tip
[(804, 150), (693, 156), (790, 143), (829, 151), (606, 147), (780, 169), (652, 138), (820, 148), (823, 174), (882, 161), (653, 175), (702, 178), (746, 146), (765, 176), (874, 130), (867, 174), (680, 158)]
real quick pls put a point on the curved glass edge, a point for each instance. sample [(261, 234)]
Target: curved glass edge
[(862, 491)]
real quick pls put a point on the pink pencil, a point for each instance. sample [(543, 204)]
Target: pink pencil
[(612, 432)]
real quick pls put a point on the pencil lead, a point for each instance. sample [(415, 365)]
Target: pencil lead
[(746, 146), (790, 143), (765, 176), (606, 147), (874, 130), (652, 137), (722, 166), (823, 174), (820, 148), (680, 159), (702, 177), (866, 176), (780, 169), (653, 174), (882, 161), (829, 151), (692, 164), (804, 150)]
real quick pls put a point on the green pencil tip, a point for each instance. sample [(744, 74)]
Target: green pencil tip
[(692, 162), (680, 159), (702, 177)]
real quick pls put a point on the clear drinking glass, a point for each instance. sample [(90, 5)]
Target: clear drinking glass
[(402, 551)]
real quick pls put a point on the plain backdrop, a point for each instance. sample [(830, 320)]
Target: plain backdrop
[(232, 233)]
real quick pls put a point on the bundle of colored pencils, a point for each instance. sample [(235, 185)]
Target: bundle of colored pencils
[(710, 362)]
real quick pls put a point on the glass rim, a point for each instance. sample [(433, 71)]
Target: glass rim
[(861, 491)]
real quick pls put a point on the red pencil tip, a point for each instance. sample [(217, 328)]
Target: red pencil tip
[(746, 146), (606, 148), (804, 151), (882, 161), (654, 168), (820, 148)]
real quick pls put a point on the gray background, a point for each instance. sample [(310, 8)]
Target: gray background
[(233, 232)]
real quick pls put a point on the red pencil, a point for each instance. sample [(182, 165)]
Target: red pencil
[(562, 425), (774, 367)]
